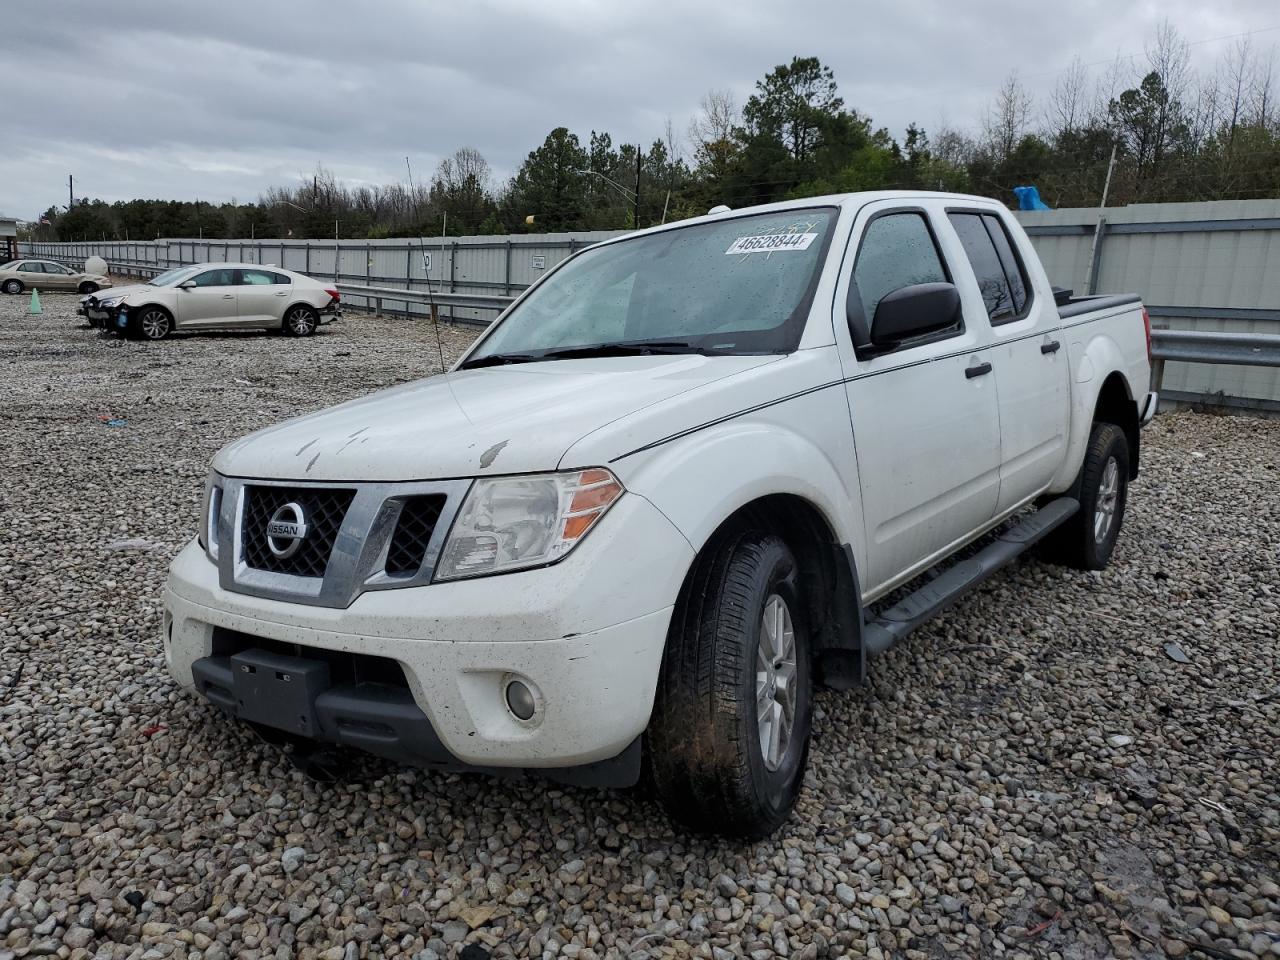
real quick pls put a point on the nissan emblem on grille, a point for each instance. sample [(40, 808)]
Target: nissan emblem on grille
[(286, 530)]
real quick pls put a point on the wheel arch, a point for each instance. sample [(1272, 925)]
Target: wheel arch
[(299, 303), (1115, 404), (828, 575)]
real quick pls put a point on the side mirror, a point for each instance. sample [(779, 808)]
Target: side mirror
[(187, 285), (913, 311)]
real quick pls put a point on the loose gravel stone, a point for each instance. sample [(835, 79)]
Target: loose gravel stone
[(966, 800)]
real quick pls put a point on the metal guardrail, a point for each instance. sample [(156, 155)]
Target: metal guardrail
[(1206, 346), (479, 301)]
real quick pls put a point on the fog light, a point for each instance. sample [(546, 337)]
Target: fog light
[(520, 700)]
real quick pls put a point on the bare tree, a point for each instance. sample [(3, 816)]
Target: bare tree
[(466, 169), (712, 133), (1068, 103), (1261, 96), (1108, 87), (716, 121), (1007, 118), (1236, 78)]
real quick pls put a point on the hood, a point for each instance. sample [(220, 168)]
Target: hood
[(493, 420), (119, 291)]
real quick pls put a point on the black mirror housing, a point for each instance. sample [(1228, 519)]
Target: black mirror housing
[(914, 311)]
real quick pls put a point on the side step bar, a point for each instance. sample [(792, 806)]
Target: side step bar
[(941, 592)]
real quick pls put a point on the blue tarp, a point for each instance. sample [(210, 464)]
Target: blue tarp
[(1029, 199)]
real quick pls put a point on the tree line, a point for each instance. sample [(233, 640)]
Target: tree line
[(1174, 135)]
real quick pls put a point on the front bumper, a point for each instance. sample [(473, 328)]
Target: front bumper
[(586, 634)]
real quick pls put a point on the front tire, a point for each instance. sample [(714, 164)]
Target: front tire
[(300, 321), (1087, 540), (13, 286), (151, 323), (729, 737), (88, 287)]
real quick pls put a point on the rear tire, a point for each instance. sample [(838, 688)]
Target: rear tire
[(735, 675), (13, 286), (150, 323), (1088, 538), (300, 321)]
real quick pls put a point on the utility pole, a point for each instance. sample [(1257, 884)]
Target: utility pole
[(1091, 278), (71, 191), (636, 216)]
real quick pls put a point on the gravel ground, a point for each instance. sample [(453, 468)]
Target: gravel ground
[(1031, 775)]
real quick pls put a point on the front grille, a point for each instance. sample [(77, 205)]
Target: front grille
[(413, 532), (323, 509)]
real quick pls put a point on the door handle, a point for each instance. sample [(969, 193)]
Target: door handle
[(1050, 347), (282, 293), (977, 371), (228, 296)]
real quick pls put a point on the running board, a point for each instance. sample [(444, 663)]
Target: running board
[(939, 593)]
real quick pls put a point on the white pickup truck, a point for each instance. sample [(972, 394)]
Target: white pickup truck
[(669, 492)]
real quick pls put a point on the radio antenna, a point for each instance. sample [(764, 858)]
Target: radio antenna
[(426, 270)]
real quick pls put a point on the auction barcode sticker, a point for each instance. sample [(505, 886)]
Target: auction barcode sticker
[(772, 243)]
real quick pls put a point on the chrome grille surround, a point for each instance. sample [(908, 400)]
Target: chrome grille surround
[(357, 563)]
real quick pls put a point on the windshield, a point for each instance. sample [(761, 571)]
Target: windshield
[(170, 277), (741, 285)]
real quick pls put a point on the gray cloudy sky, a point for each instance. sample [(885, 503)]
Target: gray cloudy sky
[(221, 100)]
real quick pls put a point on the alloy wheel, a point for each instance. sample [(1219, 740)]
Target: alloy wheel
[(776, 683), (154, 324), (300, 321), (1104, 511)]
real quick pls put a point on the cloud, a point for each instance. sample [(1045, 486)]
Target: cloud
[(181, 100)]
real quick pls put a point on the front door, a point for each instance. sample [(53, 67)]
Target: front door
[(925, 416), (58, 277), (32, 275), (210, 301), (1030, 359)]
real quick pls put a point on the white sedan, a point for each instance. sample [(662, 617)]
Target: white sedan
[(215, 296)]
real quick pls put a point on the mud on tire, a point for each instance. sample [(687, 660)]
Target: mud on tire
[(707, 764)]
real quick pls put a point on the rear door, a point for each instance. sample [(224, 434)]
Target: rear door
[(1031, 369), (924, 414), (211, 302), (263, 294)]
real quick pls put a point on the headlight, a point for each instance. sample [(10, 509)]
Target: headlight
[(511, 523), (212, 506), (110, 301)]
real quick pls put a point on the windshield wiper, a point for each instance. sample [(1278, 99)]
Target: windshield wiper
[(498, 359), (621, 348), (627, 348)]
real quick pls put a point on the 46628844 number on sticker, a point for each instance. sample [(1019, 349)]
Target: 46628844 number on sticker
[(772, 243)]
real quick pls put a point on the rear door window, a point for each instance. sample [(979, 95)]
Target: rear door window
[(996, 267), (261, 277), (1014, 272), (31, 268)]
